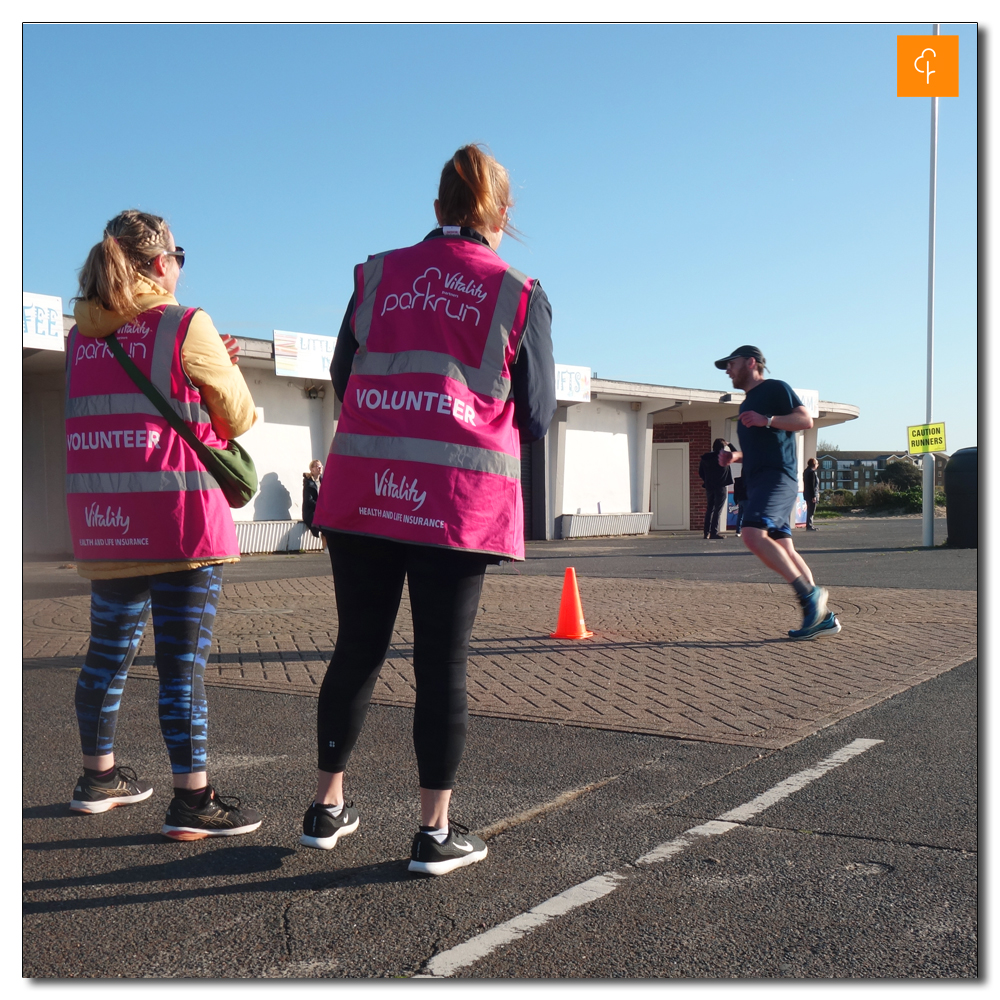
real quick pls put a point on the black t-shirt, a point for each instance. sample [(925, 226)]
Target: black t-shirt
[(767, 447)]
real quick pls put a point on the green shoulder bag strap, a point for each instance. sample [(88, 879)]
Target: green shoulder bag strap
[(232, 468)]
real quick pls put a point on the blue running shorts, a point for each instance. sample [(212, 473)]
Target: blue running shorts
[(770, 502)]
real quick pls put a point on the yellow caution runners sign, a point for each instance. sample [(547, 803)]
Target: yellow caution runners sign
[(925, 438)]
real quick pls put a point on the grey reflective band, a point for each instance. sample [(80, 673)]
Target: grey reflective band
[(503, 320), (163, 348), (124, 403), (483, 380), (406, 449), (372, 271), (139, 482)]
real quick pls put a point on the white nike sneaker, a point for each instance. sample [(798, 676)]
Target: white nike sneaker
[(460, 848)]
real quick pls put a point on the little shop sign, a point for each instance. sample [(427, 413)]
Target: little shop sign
[(572, 384), (42, 322)]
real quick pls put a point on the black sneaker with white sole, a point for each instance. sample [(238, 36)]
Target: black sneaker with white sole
[(320, 828), (218, 817), (123, 788), (460, 848)]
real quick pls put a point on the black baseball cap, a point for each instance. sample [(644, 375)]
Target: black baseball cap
[(746, 351)]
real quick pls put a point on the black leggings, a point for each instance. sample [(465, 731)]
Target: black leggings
[(445, 586)]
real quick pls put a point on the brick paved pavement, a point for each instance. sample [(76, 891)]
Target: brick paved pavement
[(685, 659)]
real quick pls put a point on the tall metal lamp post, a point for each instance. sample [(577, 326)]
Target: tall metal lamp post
[(928, 460)]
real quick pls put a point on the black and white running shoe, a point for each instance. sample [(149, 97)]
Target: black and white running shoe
[(123, 788), (320, 828), (460, 848), (218, 817)]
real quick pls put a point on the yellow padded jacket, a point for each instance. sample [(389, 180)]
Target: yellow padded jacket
[(207, 363)]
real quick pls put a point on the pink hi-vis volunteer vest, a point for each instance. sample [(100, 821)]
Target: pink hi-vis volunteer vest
[(426, 448), (135, 490)]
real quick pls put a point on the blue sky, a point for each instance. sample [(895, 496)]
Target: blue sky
[(682, 189)]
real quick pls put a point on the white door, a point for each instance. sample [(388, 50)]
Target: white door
[(670, 501)]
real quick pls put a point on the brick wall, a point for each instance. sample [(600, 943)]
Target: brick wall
[(699, 438)]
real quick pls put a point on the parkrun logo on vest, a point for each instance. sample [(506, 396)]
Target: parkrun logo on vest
[(386, 486), (99, 349), (108, 519), (427, 294)]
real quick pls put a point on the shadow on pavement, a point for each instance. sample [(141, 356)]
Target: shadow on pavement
[(235, 861), (242, 860)]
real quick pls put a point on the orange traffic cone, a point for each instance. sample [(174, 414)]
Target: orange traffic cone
[(571, 624)]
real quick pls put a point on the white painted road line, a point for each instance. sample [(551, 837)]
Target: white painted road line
[(451, 961), (785, 788)]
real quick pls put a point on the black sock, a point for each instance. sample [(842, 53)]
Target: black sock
[(194, 798), (802, 587), (98, 775)]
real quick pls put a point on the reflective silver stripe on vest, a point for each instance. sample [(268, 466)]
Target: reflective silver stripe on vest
[(163, 348), (406, 449), (487, 379), (372, 271), (503, 320), (115, 403), (139, 482)]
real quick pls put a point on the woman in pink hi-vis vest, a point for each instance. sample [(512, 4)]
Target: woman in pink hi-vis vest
[(151, 528), (443, 366)]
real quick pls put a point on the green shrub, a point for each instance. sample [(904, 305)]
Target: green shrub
[(902, 475), (882, 497), (914, 499)]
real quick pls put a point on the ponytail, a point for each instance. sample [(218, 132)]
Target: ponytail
[(131, 241), (475, 191)]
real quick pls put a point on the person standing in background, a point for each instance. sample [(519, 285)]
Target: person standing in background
[(133, 482), (810, 491), (715, 478), (739, 498), (310, 494)]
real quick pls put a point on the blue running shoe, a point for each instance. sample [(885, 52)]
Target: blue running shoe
[(813, 608), (830, 625)]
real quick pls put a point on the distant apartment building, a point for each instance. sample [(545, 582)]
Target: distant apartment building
[(850, 470)]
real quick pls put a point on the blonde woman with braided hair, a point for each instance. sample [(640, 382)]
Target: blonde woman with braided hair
[(444, 366), (151, 528)]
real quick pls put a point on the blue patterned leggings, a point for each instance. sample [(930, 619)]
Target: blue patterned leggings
[(183, 606)]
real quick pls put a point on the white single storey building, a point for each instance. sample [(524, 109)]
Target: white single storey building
[(619, 457)]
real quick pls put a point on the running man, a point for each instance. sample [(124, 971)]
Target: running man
[(770, 415)]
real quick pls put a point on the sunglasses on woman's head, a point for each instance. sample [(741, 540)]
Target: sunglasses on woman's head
[(178, 253)]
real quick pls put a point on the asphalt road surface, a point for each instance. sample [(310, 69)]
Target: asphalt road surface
[(833, 858)]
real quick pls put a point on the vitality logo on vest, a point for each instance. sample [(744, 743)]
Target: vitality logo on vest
[(386, 486), (96, 518), (426, 296)]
